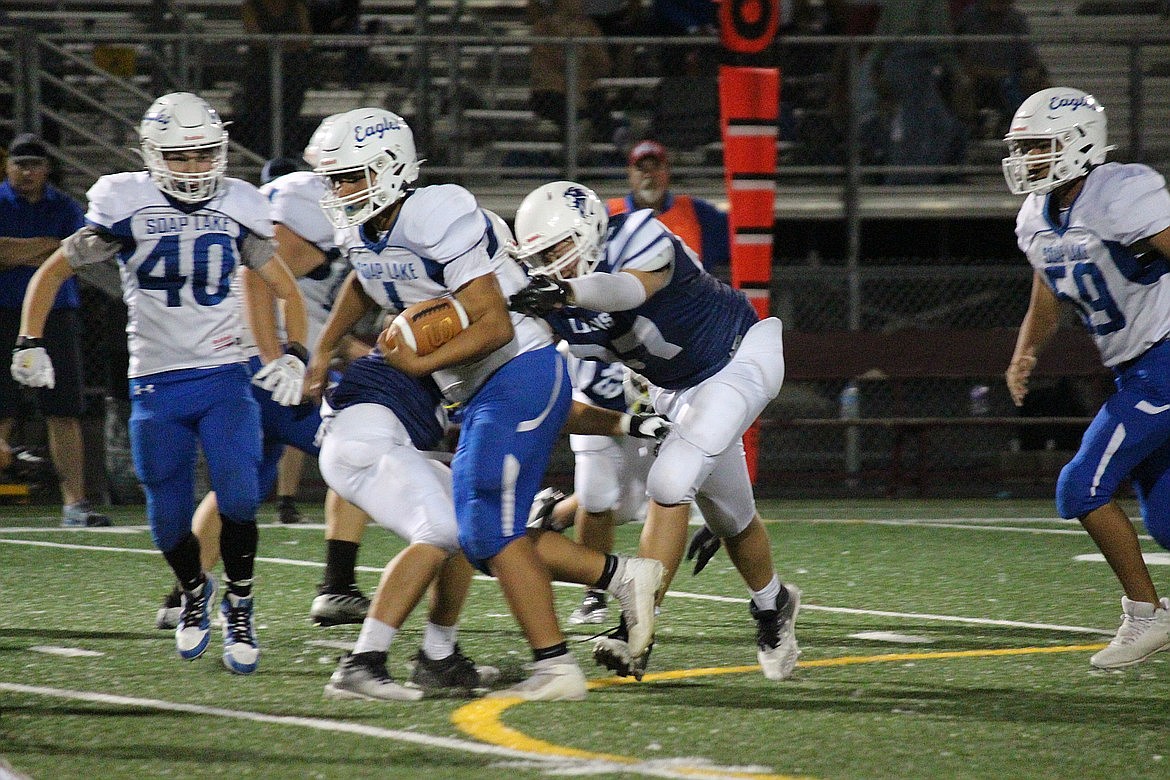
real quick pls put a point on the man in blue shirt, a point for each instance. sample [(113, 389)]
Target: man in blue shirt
[(34, 217)]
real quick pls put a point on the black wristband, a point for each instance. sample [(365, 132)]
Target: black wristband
[(297, 350), (27, 342)]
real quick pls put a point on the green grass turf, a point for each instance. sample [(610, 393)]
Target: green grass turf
[(1033, 714)]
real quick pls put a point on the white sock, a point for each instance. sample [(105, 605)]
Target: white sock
[(766, 598), (439, 641), (375, 637)]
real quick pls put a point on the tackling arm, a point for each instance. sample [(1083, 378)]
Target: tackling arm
[(349, 307), (1039, 324)]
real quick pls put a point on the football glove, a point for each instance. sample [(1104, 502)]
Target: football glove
[(284, 378), (542, 295), (541, 513), (704, 544), (31, 365), (646, 426)]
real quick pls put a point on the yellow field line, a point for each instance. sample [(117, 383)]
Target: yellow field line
[(480, 719)]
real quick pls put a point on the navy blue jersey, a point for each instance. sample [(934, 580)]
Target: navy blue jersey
[(369, 380), (681, 335), (602, 384)]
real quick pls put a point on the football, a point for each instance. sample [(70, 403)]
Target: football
[(428, 325)]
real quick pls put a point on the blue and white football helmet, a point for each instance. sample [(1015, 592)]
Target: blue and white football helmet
[(1056, 136), (375, 143), (312, 151), (183, 122), (555, 212)]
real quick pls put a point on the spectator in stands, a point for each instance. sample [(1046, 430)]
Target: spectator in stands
[(251, 103), (34, 217), (343, 17), (678, 18), (549, 61), (697, 222), (1002, 74), (904, 90)]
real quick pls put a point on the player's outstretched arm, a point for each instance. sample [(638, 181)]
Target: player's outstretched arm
[(349, 306)]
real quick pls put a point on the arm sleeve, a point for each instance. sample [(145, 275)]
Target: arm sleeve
[(257, 250), (607, 292)]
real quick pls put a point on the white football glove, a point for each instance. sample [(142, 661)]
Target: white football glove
[(32, 367), (284, 378)]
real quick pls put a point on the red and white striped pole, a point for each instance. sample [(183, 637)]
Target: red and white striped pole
[(749, 102)]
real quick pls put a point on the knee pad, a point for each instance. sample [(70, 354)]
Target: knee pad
[(1074, 498), (598, 479), (678, 471)]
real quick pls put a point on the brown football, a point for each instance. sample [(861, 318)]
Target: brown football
[(428, 325)]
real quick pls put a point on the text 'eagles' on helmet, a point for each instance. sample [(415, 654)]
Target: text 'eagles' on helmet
[(550, 215), (374, 146), (1056, 136), (184, 146)]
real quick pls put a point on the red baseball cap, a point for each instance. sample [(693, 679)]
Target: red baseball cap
[(644, 149)]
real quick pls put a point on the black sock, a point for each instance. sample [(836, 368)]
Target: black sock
[(184, 561), (340, 562), (545, 653), (237, 547), (611, 564)]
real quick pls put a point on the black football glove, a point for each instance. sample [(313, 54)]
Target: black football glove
[(704, 545), (542, 295)]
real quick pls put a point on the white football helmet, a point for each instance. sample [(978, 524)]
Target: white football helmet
[(553, 213), (312, 151), (376, 144), (1056, 136), (183, 122)]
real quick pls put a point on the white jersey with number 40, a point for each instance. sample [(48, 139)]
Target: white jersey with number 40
[(1093, 256), (177, 266)]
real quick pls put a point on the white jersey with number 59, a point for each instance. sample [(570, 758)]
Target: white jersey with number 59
[(1093, 256), (176, 266)]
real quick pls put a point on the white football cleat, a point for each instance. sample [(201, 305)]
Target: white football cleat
[(776, 647), (635, 585), (364, 676), (1145, 629), (193, 628), (554, 679)]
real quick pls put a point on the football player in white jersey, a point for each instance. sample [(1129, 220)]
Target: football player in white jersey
[(410, 245), (1098, 236), (628, 289), (177, 233)]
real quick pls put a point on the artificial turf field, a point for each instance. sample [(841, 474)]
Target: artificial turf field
[(941, 639)]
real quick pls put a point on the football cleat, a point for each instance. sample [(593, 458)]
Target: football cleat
[(456, 674), (1145, 630), (334, 607), (168, 614), (287, 511), (82, 515), (193, 631), (613, 653), (635, 585), (777, 650), (553, 679), (364, 676), (593, 609), (241, 650)]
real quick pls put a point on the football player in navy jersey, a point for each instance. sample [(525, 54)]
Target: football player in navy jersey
[(177, 232), (408, 245), (1097, 235), (627, 289)]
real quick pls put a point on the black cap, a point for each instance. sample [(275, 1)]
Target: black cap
[(26, 147)]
